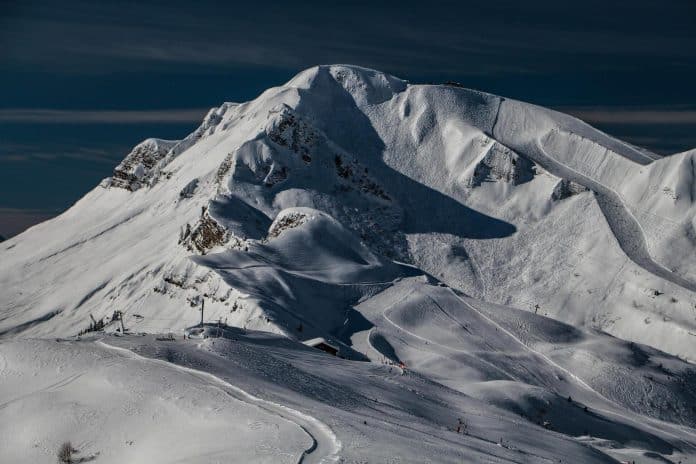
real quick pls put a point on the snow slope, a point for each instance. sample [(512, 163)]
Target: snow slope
[(506, 201), (639, 400), (116, 407), (511, 256)]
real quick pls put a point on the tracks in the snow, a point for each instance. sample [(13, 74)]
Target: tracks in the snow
[(623, 224), (606, 406), (325, 445)]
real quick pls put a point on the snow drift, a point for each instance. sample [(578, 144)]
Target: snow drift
[(503, 200), (520, 263)]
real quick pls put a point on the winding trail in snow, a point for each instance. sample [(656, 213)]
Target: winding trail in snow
[(433, 343), (645, 421), (325, 445), (624, 226), (64, 382), (675, 432)]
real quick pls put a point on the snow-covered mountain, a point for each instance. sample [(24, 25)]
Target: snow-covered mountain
[(522, 264)]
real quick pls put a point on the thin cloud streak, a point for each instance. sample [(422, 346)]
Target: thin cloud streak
[(600, 115), (53, 116), (456, 37), (39, 154), (15, 220)]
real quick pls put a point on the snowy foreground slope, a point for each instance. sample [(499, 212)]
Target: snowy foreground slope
[(533, 275)]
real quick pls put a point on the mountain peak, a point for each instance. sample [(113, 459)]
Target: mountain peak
[(446, 179), (467, 245)]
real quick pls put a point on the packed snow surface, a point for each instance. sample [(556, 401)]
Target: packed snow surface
[(505, 283)]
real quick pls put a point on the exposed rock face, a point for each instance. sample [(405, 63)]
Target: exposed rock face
[(137, 169), (143, 165), (290, 131), (224, 168), (276, 174), (189, 189), (287, 221), (502, 164), (357, 176), (566, 188), (207, 234)]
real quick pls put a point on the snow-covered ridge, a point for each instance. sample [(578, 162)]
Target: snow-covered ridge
[(136, 168), (423, 174), (483, 245), (144, 164)]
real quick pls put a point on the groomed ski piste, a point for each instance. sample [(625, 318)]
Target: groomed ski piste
[(503, 284), (324, 446)]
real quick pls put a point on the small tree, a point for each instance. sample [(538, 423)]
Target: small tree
[(65, 453)]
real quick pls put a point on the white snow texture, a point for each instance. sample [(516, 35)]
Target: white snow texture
[(504, 282)]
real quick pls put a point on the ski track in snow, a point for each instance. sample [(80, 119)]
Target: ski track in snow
[(49, 388), (325, 445), (431, 342), (644, 420), (625, 227), (538, 364), (658, 428)]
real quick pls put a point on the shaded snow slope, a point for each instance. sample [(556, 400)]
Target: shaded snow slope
[(625, 397), (486, 193), (403, 223), (248, 398), (115, 407), (618, 396), (473, 389), (307, 276)]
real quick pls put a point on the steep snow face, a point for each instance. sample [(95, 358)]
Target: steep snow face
[(500, 199), (662, 199), (113, 406), (137, 167), (306, 276), (250, 397), (402, 223)]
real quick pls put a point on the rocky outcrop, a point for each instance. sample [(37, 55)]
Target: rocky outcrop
[(143, 166), (290, 131), (189, 189), (356, 176), (502, 164), (566, 188), (285, 222), (224, 168), (205, 235), (137, 169)]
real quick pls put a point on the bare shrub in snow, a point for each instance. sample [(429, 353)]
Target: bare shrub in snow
[(65, 453)]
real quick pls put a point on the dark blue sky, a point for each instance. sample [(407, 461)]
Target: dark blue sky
[(82, 82)]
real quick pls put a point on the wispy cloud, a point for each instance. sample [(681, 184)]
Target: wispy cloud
[(663, 129), (98, 37), (632, 116), (15, 220), (23, 153), (53, 116)]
